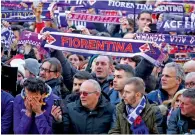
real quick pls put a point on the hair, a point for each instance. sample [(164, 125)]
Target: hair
[(189, 75), (83, 75), (180, 92), (54, 63), (71, 55), (96, 85), (178, 68), (142, 12), (190, 93), (127, 68), (138, 83), (109, 58), (33, 84)]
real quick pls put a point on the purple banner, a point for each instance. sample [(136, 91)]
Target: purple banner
[(103, 45), (23, 16), (177, 26), (166, 38), (7, 37)]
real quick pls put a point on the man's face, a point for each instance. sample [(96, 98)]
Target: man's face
[(47, 72), (77, 84), (128, 61), (181, 55), (187, 107), (169, 79), (27, 74), (144, 19), (190, 82), (89, 95), (129, 95), (120, 77), (31, 95), (74, 60), (102, 68)]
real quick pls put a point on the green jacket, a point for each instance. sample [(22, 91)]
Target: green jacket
[(151, 116)]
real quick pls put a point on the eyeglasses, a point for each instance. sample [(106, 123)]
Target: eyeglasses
[(46, 70), (190, 84), (86, 93)]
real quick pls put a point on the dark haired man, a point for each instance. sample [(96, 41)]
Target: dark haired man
[(121, 74), (50, 72), (182, 120), (143, 20), (32, 108)]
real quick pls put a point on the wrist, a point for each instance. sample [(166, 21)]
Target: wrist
[(39, 112), (28, 113)]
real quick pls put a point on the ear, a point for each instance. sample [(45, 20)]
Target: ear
[(58, 75), (179, 81), (138, 94)]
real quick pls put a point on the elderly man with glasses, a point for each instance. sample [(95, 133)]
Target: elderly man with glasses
[(91, 114), (190, 80)]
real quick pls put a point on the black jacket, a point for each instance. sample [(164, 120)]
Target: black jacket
[(58, 88), (79, 120)]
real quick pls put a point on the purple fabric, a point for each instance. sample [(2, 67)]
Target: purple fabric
[(102, 45), (35, 125), (6, 112), (166, 38), (23, 15)]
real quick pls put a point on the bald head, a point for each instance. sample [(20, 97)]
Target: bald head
[(190, 80), (189, 66)]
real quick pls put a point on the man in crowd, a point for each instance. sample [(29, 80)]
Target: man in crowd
[(190, 80), (171, 81), (144, 19), (50, 72), (91, 114), (182, 120), (189, 66), (32, 108), (79, 78), (121, 74), (140, 116)]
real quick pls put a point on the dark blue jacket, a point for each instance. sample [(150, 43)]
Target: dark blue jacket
[(41, 124), (178, 124), (159, 95), (6, 112), (79, 120), (114, 97)]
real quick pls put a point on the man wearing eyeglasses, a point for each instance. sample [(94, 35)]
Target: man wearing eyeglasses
[(171, 81), (190, 80), (91, 114), (182, 120), (50, 72)]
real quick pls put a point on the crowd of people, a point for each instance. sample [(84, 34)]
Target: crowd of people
[(70, 93)]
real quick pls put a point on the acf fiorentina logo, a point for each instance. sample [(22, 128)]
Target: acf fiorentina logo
[(50, 39), (91, 2), (144, 48)]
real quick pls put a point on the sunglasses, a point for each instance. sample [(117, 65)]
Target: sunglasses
[(84, 93)]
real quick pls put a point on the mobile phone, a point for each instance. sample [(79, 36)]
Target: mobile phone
[(57, 102), (153, 28)]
